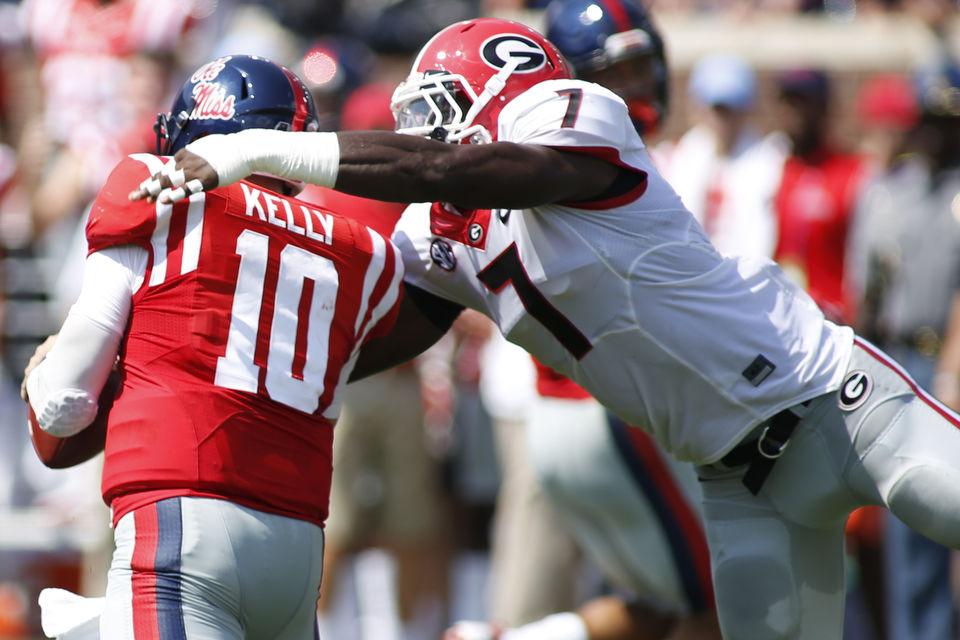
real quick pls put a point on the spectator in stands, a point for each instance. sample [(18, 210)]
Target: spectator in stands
[(886, 109), (908, 248), (817, 194), (724, 170), (815, 204)]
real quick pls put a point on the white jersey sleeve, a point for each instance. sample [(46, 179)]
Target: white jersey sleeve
[(65, 386)]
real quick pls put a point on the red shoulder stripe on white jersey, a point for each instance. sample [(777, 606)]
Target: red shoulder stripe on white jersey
[(612, 156)]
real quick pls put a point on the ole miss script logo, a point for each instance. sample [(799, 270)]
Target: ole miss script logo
[(212, 102)]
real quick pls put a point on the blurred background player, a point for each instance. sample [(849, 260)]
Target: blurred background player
[(908, 249), (818, 192), (631, 508), (240, 314), (386, 493), (724, 168)]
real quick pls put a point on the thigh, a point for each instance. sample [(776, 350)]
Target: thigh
[(773, 578), (146, 586), (909, 446), (205, 569), (632, 508)]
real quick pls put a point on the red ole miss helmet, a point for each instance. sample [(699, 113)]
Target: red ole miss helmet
[(464, 75)]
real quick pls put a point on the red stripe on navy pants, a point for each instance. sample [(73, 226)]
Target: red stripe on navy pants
[(684, 532), (155, 564)]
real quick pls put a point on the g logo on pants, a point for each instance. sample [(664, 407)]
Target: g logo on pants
[(855, 390)]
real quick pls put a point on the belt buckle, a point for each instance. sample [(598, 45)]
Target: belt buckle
[(780, 446)]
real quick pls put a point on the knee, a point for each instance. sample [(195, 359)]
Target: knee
[(756, 598)]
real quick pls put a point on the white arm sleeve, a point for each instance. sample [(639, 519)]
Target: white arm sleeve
[(65, 386), (308, 156)]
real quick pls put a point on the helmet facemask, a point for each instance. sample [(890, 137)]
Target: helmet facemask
[(443, 106)]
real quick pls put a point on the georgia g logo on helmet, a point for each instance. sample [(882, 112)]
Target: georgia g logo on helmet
[(499, 50)]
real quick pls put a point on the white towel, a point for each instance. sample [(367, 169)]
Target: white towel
[(67, 616)]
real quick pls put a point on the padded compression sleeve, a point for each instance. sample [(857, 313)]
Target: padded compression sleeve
[(65, 386)]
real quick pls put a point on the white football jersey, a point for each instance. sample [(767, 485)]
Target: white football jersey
[(627, 296)]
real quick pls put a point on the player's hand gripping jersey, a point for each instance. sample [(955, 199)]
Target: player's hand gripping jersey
[(547, 276), (244, 294)]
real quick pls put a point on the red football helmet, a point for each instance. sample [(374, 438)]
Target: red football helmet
[(464, 75)]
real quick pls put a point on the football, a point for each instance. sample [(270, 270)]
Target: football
[(60, 453)]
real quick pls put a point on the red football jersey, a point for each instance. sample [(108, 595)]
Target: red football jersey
[(250, 316)]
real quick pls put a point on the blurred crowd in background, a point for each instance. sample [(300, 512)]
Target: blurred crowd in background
[(822, 133)]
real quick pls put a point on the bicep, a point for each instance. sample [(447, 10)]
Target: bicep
[(421, 321), (516, 176)]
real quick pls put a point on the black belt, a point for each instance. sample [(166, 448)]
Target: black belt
[(762, 452)]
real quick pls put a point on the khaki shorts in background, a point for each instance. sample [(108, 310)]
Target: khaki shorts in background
[(386, 485)]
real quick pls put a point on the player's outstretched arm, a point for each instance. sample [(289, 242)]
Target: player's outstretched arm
[(386, 166), (422, 320)]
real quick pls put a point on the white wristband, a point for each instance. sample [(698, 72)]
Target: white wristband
[(312, 157)]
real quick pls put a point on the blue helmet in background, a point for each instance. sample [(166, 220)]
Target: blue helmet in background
[(594, 35), (234, 93)]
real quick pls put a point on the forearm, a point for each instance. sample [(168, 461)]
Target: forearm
[(64, 388), (423, 319), (403, 168), (399, 168)]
